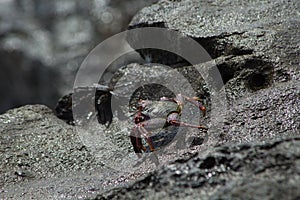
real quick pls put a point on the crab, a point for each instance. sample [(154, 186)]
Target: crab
[(143, 122)]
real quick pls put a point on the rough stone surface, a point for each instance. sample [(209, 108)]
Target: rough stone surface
[(253, 153), (255, 45), (262, 36), (44, 158), (268, 170), (36, 147)]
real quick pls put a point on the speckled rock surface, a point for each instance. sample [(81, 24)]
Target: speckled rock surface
[(255, 45), (268, 170), (43, 158), (37, 150), (252, 37), (253, 154)]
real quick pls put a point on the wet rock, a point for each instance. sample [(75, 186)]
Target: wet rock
[(262, 37), (63, 109), (101, 100), (43, 157), (268, 170), (256, 60), (37, 146), (254, 153), (269, 113)]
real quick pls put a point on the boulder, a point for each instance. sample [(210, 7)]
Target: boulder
[(268, 170), (251, 153), (254, 152), (40, 154)]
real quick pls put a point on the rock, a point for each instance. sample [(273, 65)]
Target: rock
[(262, 37), (254, 151), (251, 153), (271, 112), (63, 109), (268, 170), (257, 62), (43, 157), (102, 101), (38, 150)]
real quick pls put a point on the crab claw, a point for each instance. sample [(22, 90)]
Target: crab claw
[(203, 109)]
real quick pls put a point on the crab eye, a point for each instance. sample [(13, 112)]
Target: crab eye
[(142, 103)]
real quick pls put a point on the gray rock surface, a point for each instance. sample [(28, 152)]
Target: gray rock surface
[(255, 45), (44, 158), (268, 170), (37, 146), (253, 154)]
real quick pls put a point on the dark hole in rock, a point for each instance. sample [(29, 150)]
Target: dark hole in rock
[(197, 141), (211, 46), (163, 57), (240, 51), (208, 163), (220, 46), (63, 109), (152, 55), (257, 81), (226, 72), (103, 107)]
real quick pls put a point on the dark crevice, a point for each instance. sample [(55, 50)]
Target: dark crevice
[(219, 46), (255, 71), (156, 24), (262, 75), (256, 81), (226, 72), (215, 46), (208, 163), (197, 141)]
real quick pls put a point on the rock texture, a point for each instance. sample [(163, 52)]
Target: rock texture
[(44, 158), (267, 170), (254, 154), (36, 147), (255, 45)]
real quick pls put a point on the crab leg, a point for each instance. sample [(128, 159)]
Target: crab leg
[(173, 120), (146, 134), (168, 99), (143, 122), (136, 141), (178, 123), (195, 102), (180, 98), (152, 123)]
